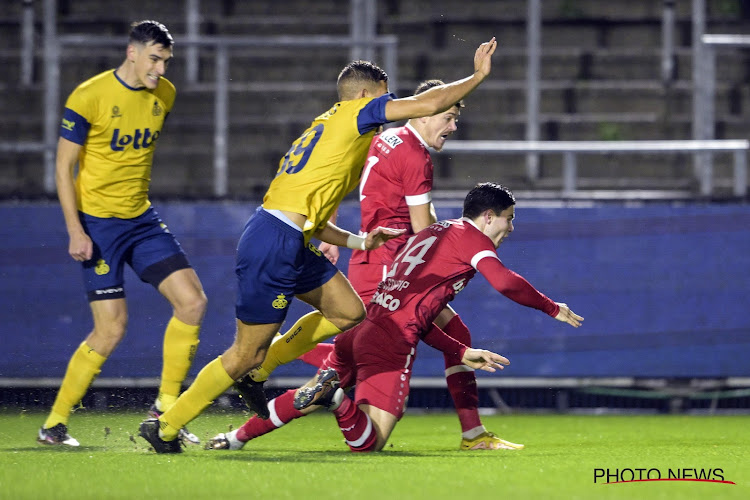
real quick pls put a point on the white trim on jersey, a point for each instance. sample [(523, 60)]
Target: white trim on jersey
[(416, 134), (418, 199), (481, 255)]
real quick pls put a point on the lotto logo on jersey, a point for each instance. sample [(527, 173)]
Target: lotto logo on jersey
[(138, 139)]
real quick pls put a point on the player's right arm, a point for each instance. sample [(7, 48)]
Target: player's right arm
[(80, 246), (422, 216), (441, 98)]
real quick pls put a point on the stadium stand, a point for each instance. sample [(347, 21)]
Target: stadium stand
[(601, 79)]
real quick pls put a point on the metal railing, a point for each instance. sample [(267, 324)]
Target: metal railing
[(362, 41), (569, 150), (54, 44)]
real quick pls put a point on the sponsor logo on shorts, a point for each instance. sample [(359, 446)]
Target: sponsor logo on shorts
[(101, 268), (314, 249), (459, 285), (109, 291), (280, 302)]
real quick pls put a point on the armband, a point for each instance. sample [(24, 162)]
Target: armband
[(355, 242)]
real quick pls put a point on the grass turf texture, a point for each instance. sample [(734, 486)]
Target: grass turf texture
[(308, 459)]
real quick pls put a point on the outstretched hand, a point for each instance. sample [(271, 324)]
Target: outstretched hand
[(480, 359), (378, 236), (483, 57), (330, 251), (567, 316)]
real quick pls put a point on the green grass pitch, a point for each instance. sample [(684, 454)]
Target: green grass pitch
[(307, 459)]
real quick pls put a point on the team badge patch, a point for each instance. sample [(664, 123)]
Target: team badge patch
[(101, 267), (280, 302)]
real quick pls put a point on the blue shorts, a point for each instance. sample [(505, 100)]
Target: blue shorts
[(273, 265), (144, 243)]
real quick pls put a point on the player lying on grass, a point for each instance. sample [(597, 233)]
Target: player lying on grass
[(376, 357)]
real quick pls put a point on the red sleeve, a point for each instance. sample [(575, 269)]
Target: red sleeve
[(515, 287), (416, 173), (443, 342)]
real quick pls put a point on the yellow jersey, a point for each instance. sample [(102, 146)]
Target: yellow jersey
[(117, 126), (325, 162)]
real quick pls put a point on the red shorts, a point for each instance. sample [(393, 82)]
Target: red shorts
[(365, 279), (377, 362)]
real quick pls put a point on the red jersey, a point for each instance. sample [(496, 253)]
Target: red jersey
[(398, 173), (432, 267)]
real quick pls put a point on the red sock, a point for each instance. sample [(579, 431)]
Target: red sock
[(462, 383), (282, 412), (318, 354), (356, 426)]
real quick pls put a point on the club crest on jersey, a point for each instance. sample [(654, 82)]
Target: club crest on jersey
[(280, 302), (101, 267), (116, 112), (157, 109), (139, 139)]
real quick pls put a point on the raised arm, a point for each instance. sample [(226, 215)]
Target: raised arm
[(441, 98)]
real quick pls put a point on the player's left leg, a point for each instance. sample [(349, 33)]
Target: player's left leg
[(281, 412), (184, 292), (338, 308), (365, 427), (158, 259), (462, 385)]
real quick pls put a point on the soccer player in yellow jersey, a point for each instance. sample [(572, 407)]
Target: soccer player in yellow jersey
[(110, 126), (275, 260)]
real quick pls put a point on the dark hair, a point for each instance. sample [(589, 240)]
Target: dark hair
[(428, 84), (145, 32), (487, 195), (357, 72)]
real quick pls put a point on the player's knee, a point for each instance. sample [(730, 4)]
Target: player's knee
[(107, 334), (353, 317), (192, 309)]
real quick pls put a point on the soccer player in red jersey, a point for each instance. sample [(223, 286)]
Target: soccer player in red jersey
[(396, 191), (376, 357)]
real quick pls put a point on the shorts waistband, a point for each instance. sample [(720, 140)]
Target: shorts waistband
[(284, 223)]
